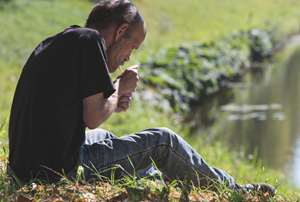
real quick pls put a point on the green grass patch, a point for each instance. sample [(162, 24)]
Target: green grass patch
[(172, 23), (169, 23)]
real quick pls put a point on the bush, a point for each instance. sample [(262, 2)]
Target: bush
[(190, 72)]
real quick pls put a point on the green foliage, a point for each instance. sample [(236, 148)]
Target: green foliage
[(237, 197), (190, 72), (260, 44)]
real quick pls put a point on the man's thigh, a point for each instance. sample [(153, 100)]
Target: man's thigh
[(103, 152)]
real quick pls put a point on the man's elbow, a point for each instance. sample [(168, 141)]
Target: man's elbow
[(91, 127), (92, 124)]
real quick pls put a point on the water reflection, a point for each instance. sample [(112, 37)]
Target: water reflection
[(246, 112), (261, 110), (295, 165)]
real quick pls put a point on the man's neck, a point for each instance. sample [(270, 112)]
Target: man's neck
[(108, 34)]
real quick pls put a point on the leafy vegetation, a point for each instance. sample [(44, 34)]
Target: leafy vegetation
[(190, 72)]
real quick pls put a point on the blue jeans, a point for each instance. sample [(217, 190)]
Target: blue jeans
[(172, 155)]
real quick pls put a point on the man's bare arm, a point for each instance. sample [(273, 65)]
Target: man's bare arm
[(97, 109)]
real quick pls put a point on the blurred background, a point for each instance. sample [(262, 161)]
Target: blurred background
[(249, 124)]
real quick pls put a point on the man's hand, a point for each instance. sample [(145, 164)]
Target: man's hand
[(128, 80), (127, 83), (124, 103), (97, 109)]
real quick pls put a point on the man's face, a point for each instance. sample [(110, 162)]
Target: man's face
[(120, 51)]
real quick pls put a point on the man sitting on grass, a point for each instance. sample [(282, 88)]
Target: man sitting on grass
[(65, 86)]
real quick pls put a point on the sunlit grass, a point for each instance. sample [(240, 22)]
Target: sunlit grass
[(217, 155), (175, 22), (127, 188), (25, 23)]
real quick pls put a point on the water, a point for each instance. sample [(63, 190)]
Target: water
[(262, 110)]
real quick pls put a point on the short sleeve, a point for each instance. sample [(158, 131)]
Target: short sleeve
[(93, 70)]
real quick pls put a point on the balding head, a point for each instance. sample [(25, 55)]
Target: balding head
[(114, 13)]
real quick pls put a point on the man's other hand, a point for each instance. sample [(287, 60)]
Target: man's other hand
[(123, 103)]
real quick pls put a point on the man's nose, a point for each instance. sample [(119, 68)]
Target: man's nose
[(127, 57)]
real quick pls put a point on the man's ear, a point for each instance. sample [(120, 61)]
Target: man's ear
[(121, 30)]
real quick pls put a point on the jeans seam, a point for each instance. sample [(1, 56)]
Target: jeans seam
[(102, 157), (133, 155), (166, 145)]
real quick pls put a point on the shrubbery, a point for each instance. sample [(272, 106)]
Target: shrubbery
[(175, 77)]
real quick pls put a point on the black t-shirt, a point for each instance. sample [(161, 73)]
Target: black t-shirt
[(46, 121)]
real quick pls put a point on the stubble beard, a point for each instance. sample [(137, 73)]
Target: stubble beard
[(113, 56)]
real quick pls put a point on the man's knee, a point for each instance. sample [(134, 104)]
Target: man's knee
[(166, 130), (168, 134), (161, 135), (97, 135)]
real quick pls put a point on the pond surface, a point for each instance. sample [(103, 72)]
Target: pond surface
[(260, 112)]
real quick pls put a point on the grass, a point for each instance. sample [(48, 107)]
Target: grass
[(127, 188), (175, 22), (136, 190), (243, 170), (25, 23), (169, 23)]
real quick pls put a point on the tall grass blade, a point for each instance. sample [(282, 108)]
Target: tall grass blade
[(94, 170), (134, 178), (254, 160), (125, 171), (14, 177), (161, 178), (3, 127)]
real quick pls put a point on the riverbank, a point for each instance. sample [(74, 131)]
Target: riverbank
[(177, 77)]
